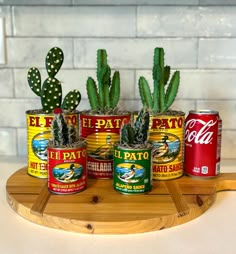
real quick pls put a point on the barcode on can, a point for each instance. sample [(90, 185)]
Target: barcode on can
[(204, 170)]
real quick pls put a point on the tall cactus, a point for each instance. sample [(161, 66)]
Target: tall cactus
[(136, 133), (50, 91), (164, 93), (103, 96), (62, 134)]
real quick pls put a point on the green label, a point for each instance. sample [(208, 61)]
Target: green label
[(132, 170)]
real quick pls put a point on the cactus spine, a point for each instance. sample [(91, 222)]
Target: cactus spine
[(62, 134), (164, 93), (50, 91), (137, 133), (103, 96)]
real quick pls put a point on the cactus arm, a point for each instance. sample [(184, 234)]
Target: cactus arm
[(141, 127), (127, 134), (71, 100), (159, 57), (115, 89), (34, 80), (92, 94), (71, 134), (54, 60), (172, 89), (101, 74), (59, 129), (145, 93), (106, 82), (166, 74), (51, 94)]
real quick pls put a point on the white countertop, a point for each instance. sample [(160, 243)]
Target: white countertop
[(213, 232)]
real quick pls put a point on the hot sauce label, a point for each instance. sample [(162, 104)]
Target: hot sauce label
[(39, 134), (101, 133), (67, 171), (167, 136)]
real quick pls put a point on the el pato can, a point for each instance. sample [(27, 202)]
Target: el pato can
[(132, 169), (101, 133), (203, 143), (166, 133), (67, 173), (38, 136)]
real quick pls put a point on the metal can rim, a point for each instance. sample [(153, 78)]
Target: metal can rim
[(204, 112)]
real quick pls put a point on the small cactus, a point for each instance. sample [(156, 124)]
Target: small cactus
[(51, 91), (137, 133), (62, 134), (163, 94), (105, 95)]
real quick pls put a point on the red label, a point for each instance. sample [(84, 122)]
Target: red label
[(202, 144), (67, 171), (101, 132)]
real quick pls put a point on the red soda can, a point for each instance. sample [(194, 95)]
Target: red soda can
[(202, 143)]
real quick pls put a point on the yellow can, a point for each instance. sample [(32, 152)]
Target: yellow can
[(166, 133), (38, 136)]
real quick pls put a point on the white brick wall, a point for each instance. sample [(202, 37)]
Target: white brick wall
[(198, 37)]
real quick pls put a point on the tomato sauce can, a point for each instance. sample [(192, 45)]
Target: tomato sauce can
[(166, 132), (132, 169), (203, 143), (38, 136), (67, 172), (101, 133)]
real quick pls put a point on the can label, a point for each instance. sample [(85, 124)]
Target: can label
[(38, 136), (203, 143), (101, 132), (132, 170), (67, 171), (166, 133)]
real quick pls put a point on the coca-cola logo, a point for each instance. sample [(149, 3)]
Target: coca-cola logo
[(200, 136)]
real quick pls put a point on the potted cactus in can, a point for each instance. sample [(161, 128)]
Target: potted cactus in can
[(133, 157), (166, 130), (101, 125), (39, 120), (67, 172)]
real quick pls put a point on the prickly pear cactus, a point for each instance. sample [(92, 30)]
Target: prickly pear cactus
[(51, 91), (137, 133), (62, 135), (103, 96), (164, 93)]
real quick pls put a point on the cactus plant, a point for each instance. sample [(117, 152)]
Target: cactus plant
[(50, 91), (63, 135), (103, 96), (164, 93), (136, 134)]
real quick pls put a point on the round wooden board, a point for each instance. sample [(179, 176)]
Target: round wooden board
[(101, 210)]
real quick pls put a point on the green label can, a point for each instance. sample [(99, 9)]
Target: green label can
[(132, 169)]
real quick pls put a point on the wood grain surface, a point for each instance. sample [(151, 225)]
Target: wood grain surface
[(101, 210)]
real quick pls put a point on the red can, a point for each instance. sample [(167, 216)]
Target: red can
[(203, 143)]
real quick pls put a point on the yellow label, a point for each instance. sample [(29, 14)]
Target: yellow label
[(167, 136), (38, 136)]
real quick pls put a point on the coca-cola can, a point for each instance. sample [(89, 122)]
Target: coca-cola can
[(202, 143)]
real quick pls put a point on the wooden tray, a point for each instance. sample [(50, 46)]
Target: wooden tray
[(101, 210)]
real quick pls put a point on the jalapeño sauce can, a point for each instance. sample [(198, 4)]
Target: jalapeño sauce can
[(132, 169), (203, 143)]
